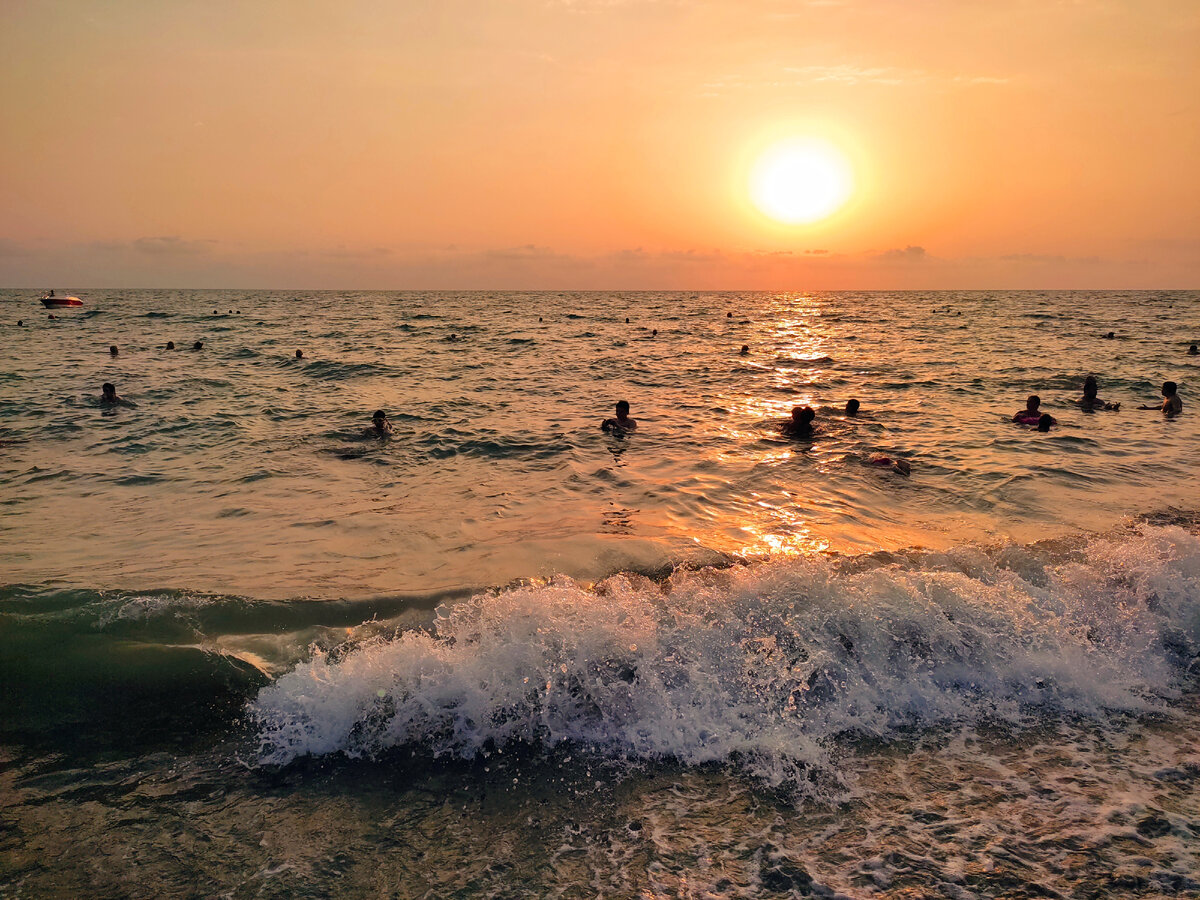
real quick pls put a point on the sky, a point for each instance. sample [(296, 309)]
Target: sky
[(596, 144)]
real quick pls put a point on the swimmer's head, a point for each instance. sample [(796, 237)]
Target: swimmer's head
[(745, 349), (1169, 388), (379, 418), (108, 392), (1044, 422), (852, 407), (170, 345), (622, 409), (112, 351), (199, 345), (299, 354), (21, 324), (729, 315), (802, 415), (1033, 402), (1192, 351), (1090, 387)]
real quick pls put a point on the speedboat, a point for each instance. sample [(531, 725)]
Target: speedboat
[(50, 301)]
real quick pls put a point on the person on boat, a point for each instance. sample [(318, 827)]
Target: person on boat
[(380, 426), (622, 422), (852, 406), (108, 397), (1030, 415), (1171, 405), (800, 424), (50, 293), (1089, 400)]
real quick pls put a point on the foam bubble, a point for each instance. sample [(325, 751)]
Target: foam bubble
[(765, 665)]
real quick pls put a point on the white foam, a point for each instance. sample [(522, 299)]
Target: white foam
[(764, 664)]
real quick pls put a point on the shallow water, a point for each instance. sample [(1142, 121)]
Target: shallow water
[(249, 653)]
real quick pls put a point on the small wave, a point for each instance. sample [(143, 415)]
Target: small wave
[(765, 665)]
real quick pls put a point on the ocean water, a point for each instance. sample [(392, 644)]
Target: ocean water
[(249, 652)]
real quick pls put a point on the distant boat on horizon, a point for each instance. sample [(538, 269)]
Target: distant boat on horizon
[(50, 301)]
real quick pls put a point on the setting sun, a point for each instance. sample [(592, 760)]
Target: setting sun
[(799, 181)]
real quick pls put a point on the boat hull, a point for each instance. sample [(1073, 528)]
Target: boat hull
[(54, 302)]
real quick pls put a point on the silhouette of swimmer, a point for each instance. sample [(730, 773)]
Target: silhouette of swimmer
[(1192, 351), (199, 345), (801, 422), (852, 407), (1171, 405), (1044, 422), (113, 351), (1030, 415), (299, 354), (453, 337), (170, 345), (21, 324), (1089, 400), (622, 422), (108, 397), (52, 316), (654, 333), (380, 426), (627, 320), (745, 351), (1110, 336), (899, 466), (729, 315)]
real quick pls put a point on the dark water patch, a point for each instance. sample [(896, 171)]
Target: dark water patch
[(338, 371), (157, 315)]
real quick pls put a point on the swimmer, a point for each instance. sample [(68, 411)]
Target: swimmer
[(1192, 351), (113, 351), (21, 324), (380, 426), (654, 333), (108, 397), (852, 407), (52, 316), (729, 315), (899, 466), (627, 320), (1044, 422), (1110, 335), (199, 345), (1030, 415), (170, 345), (622, 423), (1089, 400), (453, 337), (745, 351), (801, 422), (1171, 405), (299, 354)]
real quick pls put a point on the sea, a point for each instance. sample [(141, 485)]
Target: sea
[(249, 651)]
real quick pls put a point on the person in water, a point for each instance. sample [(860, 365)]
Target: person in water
[(745, 351), (1089, 400), (1171, 405), (380, 426), (852, 406), (299, 354), (622, 422), (113, 351), (108, 397), (1192, 351), (199, 345), (801, 422), (1044, 422), (170, 345), (1030, 415), (899, 466)]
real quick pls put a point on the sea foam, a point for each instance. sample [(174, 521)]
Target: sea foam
[(764, 665)]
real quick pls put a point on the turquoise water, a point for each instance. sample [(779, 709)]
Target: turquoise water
[(249, 651)]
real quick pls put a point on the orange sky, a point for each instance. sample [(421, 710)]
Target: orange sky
[(596, 144)]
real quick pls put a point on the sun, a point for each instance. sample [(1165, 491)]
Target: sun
[(801, 180)]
